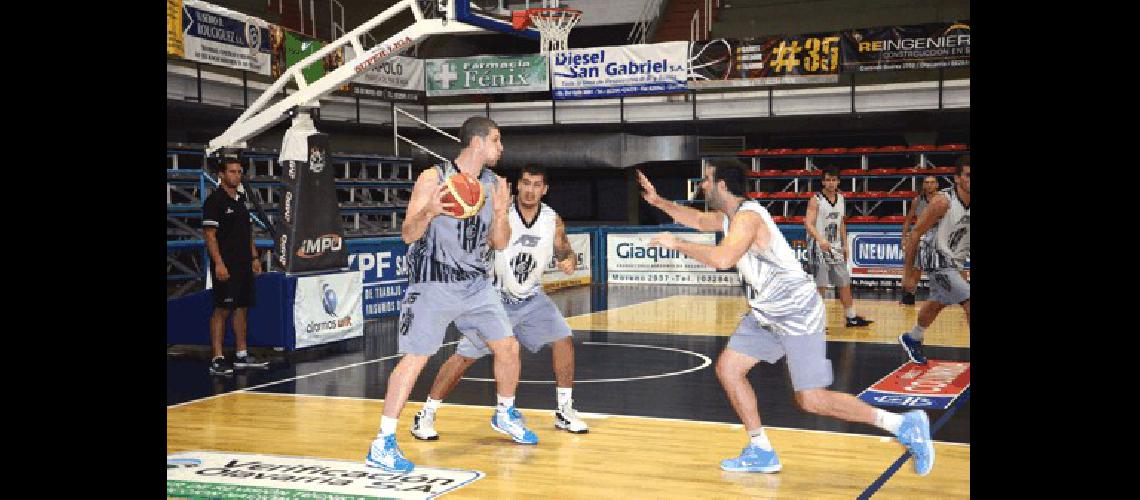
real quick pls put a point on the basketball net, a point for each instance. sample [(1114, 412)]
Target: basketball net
[(553, 26)]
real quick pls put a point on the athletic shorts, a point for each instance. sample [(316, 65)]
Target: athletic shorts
[(831, 274), (235, 292), (428, 308), (535, 321), (807, 354), (948, 287)]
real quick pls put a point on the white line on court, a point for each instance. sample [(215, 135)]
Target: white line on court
[(706, 363)]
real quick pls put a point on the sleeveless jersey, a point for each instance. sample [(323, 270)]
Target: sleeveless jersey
[(828, 220), (519, 267), (454, 250), (779, 292), (947, 244)]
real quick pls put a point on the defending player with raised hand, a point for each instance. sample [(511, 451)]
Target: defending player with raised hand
[(786, 319), (941, 243), (449, 277), (538, 235)]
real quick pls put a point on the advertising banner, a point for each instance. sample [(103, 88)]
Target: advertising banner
[(630, 259), (327, 308), (289, 48), (935, 385), (311, 235), (384, 274), (607, 72), (876, 256), (553, 278), (923, 46), (174, 28), (397, 79), (772, 60), (486, 75), (219, 36)]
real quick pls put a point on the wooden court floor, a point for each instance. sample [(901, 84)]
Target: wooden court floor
[(623, 456)]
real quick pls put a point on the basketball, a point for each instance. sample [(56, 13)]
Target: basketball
[(466, 195)]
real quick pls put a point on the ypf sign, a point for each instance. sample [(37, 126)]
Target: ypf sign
[(931, 386)]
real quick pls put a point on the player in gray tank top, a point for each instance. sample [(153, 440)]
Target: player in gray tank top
[(449, 278), (786, 321), (941, 242), (912, 274), (827, 244)]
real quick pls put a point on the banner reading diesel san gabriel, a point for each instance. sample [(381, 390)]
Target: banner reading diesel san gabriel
[(923, 46), (604, 72)]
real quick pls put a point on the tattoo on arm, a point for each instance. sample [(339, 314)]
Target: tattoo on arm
[(562, 248)]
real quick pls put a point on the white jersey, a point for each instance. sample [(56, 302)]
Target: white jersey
[(519, 267), (947, 244), (778, 290), (828, 221)]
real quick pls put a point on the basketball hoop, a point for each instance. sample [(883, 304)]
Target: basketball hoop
[(553, 25)]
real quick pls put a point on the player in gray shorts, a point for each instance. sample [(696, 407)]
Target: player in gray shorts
[(423, 323), (786, 319), (944, 229), (535, 321), (826, 228)]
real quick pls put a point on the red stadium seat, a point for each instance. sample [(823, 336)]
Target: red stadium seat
[(753, 152), (881, 171), (953, 147), (778, 219), (780, 151), (892, 219), (909, 171), (905, 194), (800, 173), (783, 195), (755, 194), (805, 194), (771, 173), (941, 170), (922, 147), (862, 150), (833, 151), (806, 151), (862, 219), (890, 149), (796, 219), (852, 171), (858, 195)]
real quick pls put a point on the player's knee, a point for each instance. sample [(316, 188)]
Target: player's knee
[(508, 347), (727, 370), (811, 401)]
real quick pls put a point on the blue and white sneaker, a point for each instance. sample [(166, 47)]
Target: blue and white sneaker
[(913, 348), (385, 454), (914, 433), (753, 459), (513, 426)]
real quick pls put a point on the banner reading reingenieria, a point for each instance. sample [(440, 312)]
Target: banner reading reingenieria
[(923, 46)]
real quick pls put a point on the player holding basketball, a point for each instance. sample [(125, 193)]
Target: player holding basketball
[(826, 227), (538, 234), (786, 319), (449, 277), (942, 253), (913, 273)]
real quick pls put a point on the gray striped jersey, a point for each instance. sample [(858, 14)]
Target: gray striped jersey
[(779, 292), (828, 221), (519, 267), (454, 250), (920, 204), (947, 244)]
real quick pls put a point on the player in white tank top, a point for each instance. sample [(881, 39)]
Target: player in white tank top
[(786, 319), (911, 275), (941, 242), (826, 228), (537, 236)]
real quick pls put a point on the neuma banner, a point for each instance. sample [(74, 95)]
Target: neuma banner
[(223, 37), (924, 46), (486, 75), (604, 72)]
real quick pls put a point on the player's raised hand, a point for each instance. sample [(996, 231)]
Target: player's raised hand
[(502, 200), (666, 239), (649, 193)]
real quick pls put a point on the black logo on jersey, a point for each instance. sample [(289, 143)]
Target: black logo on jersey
[(943, 281), (956, 237), (522, 265), (411, 298), (832, 215), (831, 232), (749, 292), (470, 232), (406, 321), (527, 240)]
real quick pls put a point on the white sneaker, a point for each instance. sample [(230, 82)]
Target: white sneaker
[(566, 418), (424, 426)]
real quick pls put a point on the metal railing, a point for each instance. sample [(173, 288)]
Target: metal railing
[(696, 32), (396, 137), (646, 21)]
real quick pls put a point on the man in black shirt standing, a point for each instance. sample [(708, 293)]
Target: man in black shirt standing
[(229, 240)]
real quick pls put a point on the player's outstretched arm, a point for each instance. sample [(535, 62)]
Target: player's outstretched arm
[(563, 252), (934, 211), (743, 229), (686, 216), (426, 203)]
